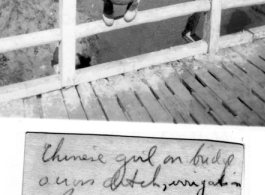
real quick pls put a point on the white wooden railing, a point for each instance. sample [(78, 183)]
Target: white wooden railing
[(68, 32)]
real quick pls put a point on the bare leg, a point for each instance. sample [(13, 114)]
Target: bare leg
[(108, 13), (132, 10)]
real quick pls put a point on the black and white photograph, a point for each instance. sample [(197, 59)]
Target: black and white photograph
[(132, 96), (156, 61)]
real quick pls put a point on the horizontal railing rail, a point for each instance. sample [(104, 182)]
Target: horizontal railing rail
[(68, 32), (228, 4), (97, 27)]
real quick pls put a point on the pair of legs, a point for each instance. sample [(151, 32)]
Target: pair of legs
[(108, 10)]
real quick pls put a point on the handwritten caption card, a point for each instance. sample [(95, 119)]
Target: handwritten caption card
[(63, 164)]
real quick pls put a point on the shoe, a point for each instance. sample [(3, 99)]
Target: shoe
[(108, 19), (108, 13), (131, 12)]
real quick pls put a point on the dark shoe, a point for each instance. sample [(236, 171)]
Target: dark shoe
[(108, 13), (131, 12)]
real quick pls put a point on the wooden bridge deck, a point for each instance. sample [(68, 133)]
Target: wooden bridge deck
[(227, 88)]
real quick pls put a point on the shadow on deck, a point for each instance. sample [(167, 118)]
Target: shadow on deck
[(225, 89)]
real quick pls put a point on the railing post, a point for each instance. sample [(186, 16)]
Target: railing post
[(67, 49), (212, 26)]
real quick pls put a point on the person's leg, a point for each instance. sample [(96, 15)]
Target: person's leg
[(108, 13), (192, 24), (132, 9)]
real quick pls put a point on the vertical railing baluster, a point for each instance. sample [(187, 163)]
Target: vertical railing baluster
[(68, 44), (212, 26)]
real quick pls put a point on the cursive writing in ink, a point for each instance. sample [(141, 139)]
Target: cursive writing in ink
[(65, 182), (199, 158), (183, 183), (187, 183), (172, 160), (119, 178), (236, 184), (220, 181), (56, 155), (217, 157), (202, 189)]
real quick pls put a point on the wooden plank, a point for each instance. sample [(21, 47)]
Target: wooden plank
[(186, 98), (51, 83), (217, 118), (201, 101), (212, 25), (170, 102), (260, 47), (90, 102), (67, 51), (29, 88), (13, 108), (108, 100), (138, 62), (245, 79), (229, 98), (235, 39), (253, 72), (258, 32), (53, 106), (149, 101), (128, 100), (29, 40), (240, 3), (32, 107), (243, 93), (250, 53), (73, 105), (215, 105)]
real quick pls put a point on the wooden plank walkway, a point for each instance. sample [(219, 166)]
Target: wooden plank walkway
[(223, 89)]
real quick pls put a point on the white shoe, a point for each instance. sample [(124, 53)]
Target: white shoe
[(108, 19), (131, 12)]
